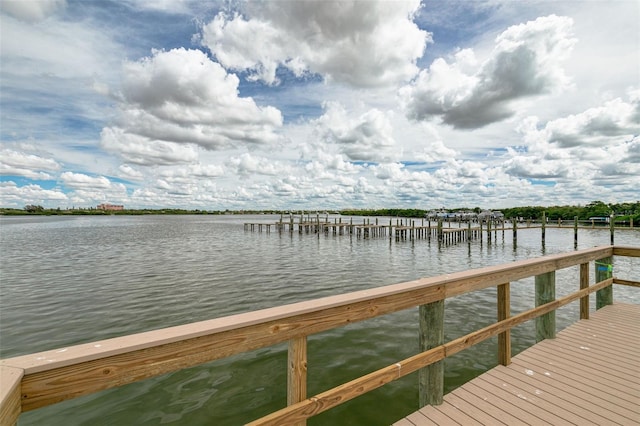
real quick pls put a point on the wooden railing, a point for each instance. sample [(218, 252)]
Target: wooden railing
[(32, 381)]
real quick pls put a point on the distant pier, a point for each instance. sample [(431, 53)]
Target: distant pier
[(398, 228), (443, 231)]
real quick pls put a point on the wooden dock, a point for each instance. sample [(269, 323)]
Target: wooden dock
[(403, 229), (588, 375)]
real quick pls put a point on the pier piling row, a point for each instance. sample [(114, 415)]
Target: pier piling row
[(402, 229), (419, 229)]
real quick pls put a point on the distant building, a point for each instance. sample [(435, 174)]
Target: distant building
[(487, 215), (110, 207)]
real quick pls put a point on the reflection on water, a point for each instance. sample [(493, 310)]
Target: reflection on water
[(79, 279)]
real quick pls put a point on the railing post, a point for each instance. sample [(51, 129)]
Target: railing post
[(604, 270), (297, 372), (504, 312), (584, 283), (545, 293), (431, 377), (10, 395)]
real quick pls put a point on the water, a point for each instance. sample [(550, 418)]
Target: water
[(71, 280)]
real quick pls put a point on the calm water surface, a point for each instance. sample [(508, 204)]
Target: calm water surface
[(70, 280)]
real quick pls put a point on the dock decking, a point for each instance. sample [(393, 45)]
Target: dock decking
[(588, 375)]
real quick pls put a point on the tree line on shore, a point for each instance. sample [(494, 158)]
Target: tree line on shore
[(622, 212)]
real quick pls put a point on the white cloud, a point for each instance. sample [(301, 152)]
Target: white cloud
[(32, 10), (616, 119), (598, 144), (144, 151), (180, 97), (14, 163), (82, 181), (248, 165), (89, 189), (363, 44), (166, 6), (434, 151), (368, 137), (525, 62), (129, 173), (55, 48), (12, 195), (81, 103)]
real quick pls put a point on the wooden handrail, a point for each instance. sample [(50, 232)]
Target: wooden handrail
[(331, 398), (49, 377)]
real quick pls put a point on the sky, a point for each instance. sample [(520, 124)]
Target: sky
[(319, 105)]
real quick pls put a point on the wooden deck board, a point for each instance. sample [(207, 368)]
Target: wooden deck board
[(562, 378), (589, 400), (588, 374), (601, 361), (570, 368)]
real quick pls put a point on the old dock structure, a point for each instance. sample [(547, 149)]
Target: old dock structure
[(421, 229), (402, 229), (33, 381)]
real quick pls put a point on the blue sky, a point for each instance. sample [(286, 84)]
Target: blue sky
[(318, 105)]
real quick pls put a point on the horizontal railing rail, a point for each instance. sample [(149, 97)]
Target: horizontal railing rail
[(36, 380)]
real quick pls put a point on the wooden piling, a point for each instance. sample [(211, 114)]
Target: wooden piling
[(544, 224), (575, 232), (545, 293), (431, 378), (604, 270), (504, 312), (611, 227), (584, 283)]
